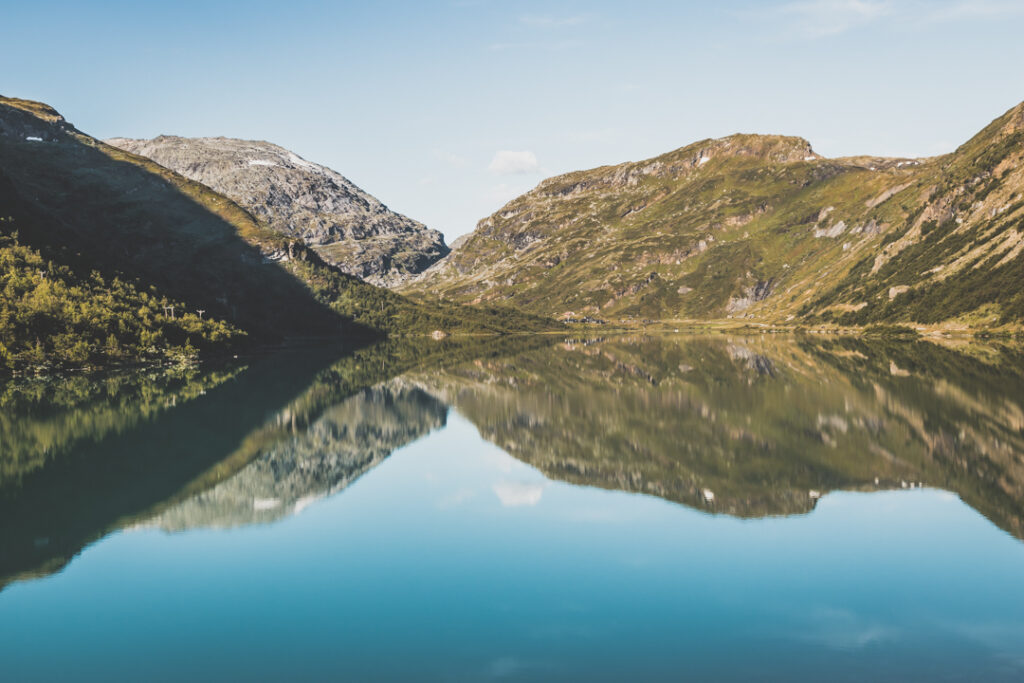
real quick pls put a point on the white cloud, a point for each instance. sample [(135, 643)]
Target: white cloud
[(820, 18), (517, 493), (507, 162), (845, 630)]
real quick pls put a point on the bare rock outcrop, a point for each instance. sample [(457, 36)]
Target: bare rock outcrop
[(347, 226)]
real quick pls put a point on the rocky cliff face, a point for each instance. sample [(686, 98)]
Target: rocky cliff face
[(761, 227), (347, 226)]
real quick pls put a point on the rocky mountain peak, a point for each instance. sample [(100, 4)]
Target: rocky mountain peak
[(770, 148), (347, 226)]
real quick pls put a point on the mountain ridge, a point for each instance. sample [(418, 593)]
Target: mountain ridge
[(761, 227), (348, 227)]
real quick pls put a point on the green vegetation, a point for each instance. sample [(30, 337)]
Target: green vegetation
[(381, 309), (759, 228), (52, 317)]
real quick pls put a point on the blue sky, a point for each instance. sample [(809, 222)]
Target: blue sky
[(446, 110)]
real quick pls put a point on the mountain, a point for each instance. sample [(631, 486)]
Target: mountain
[(762, 227), (110, 257), (345, 225)]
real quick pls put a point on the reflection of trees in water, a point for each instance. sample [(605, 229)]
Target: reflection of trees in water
[(765, 425), (45, 418)]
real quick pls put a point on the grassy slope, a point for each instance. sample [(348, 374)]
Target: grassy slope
[(763, 228)]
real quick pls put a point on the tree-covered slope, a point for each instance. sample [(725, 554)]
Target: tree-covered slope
[(754, 226)]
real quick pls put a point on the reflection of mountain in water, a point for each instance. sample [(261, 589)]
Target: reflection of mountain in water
[(203, 446), (347, 440), (86, 457), (745, 426), (757, 426)]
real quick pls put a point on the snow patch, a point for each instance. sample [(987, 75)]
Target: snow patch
[(265, 503), (33, 138), (703, 160), (300, 162), (261, 162)]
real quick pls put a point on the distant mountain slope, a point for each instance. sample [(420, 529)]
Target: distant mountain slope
[(755, 226), (347, 227)]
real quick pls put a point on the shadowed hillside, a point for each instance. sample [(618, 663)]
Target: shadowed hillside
[(98, 243)]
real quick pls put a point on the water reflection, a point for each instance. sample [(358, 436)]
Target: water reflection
[(755, 426), (348, 439), (746, 426), (187, 447)]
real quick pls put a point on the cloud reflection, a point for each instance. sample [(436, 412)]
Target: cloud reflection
[(518, 493)]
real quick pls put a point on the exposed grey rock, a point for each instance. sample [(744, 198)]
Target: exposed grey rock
[(347, 226)]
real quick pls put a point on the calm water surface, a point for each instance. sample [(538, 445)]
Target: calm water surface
[(635, 508)]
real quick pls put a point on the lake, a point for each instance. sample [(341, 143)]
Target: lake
[(635, 507)]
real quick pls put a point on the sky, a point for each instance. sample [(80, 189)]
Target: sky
[(446, 110)]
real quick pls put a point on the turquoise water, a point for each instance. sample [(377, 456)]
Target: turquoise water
[(385, 536)]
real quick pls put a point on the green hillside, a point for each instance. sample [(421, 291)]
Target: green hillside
[(760, 227)]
